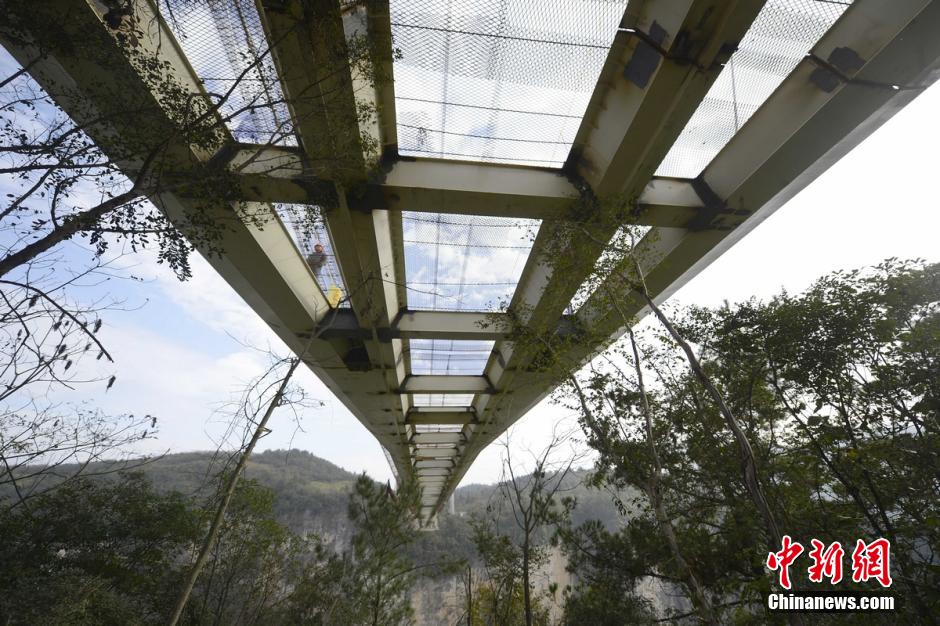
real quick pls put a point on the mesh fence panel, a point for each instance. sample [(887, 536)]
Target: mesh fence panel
[(226, 45), (442, 399), (442, 356), (781, 35), (497, 80), (437, 428), (464, 262), (307, 229)]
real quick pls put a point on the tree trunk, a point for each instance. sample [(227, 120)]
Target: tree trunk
[(469, 596), (74, 224), (377, 602), (774, 538), (227, 497), (754, 489), (526, 592), (699, 596)]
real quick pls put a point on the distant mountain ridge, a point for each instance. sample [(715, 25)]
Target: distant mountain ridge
[(305, 485)]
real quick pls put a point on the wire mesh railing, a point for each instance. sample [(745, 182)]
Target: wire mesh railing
[(312, 238), (497, 81), (464, 262), (781, 36), (227, 47), (449, 356)]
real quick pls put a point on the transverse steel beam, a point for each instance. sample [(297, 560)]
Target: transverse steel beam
[(447, 384)]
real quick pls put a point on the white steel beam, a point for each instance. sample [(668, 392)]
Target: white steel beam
[(668, 202), (433, 484), (435, 453), (308, 40), (457, 325), (380, 39), (440, 186), (421, 464), (309, 44), (432, 471), (423, 438), (282, 174), (447, 384), (438, 415), (279, 174), (439, 409), (658, 70), (440, 418)]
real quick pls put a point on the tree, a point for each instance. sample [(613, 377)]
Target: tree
[(511, 555), (616, 279), (252, 564), (690, 520), (251, 408), (498, 597), (48, 338), (370, 583), (607, 569), (612, 435), (830, 386), (61, 183), (321, 592), (43, 447), (113, 550), (385, 526), (851, 366), (44, 332), (93, 551)]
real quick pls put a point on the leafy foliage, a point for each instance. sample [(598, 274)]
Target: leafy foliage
[(836, 390), (93, 553), (98, 551), (370, 582)]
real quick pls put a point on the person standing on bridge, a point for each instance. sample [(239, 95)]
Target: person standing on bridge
[(317, 259)]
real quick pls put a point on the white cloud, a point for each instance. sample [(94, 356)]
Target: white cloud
[(209, 300)]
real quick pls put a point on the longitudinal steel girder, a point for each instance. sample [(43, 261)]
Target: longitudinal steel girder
[(821, 111)]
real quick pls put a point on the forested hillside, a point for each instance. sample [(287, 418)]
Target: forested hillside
[(309, 496)]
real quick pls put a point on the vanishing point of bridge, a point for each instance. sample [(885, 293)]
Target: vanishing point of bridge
[(485, 121)]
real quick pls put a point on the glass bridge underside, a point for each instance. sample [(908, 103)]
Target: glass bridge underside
[(489, 81), (482, 81), (496, 103)]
